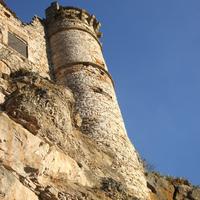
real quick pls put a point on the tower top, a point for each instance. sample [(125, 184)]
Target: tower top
[(74, 16)]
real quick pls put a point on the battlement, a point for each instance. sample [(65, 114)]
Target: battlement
[(76, 18)]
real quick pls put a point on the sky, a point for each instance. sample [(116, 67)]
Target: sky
[(152, 49)]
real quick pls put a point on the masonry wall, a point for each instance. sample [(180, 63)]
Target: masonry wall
[(69, 44), (78, 62), (33, 35)]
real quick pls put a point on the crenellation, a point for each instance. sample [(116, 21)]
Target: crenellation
[(74, 17), (51, 11)]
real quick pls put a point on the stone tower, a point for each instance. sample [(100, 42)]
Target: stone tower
[(76, 56), (62, 135)]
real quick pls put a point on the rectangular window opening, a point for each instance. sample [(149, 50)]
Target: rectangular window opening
[(18, 44)]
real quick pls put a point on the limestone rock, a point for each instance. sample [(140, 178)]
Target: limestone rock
[(40, 105), (41, 144), (170, 188), (29, 156), (12, 189), (195, 194), (2, 98), (4, 68)]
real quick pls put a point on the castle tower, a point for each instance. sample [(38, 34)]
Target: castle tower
[(77, 60)]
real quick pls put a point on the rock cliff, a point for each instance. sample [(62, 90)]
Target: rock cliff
[(171, 188), (43, 154)]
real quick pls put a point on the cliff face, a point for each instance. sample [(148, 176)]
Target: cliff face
[(43, 154)]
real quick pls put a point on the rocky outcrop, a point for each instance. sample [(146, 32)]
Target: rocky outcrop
[(43, 154), (170, 188)]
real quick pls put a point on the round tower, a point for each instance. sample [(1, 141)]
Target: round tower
[(77, 60)]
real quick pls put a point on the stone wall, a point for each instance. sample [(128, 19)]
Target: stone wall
[(69, 45), (45, 154), (78, 62), (33, 35), (97, 105)]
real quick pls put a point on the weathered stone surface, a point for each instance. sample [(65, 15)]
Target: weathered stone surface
[(182, 192), (195, 194), (12, 189), (45, 153), (4, 68), (160, 187), (2, 98), (169, 188), (41, 106), (67, 43), (28, 155), (3, 88), (33, 34), (76, 55), (39, 166)]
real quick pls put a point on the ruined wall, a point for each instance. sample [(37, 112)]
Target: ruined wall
[(32, 35), (22, 46)]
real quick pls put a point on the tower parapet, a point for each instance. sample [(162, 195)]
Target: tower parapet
[(75, 18), (73, 33)]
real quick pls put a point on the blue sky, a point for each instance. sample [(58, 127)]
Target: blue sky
[(152, 49)]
